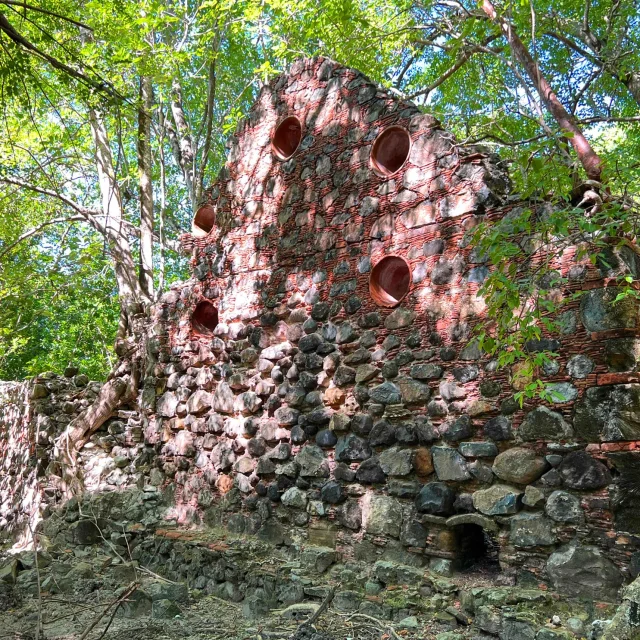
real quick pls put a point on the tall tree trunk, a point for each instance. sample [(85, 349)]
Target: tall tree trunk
[(632, 82), (163, 201), (589, 159), (186, 157), (146, 188), (124, 380), (208, 126), (129, 290)]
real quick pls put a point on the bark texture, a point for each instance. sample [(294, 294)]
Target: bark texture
[(146, 189)]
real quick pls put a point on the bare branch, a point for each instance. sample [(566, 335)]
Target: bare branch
[(145, 169), (568, 42), (608, 119), (460, 62), (589, 159), (211, 93), (17, 38), (183, 138), (86, 212), (589, 81)]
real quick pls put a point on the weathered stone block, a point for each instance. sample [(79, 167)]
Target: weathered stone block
[(584, 572), (609, 414)]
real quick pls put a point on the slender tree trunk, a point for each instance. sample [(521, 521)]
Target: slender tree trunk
[(129, 289), (146, 188), (163, 201), (632, 82), (187, 155), (206, 147), (589, 159), (124, 380)]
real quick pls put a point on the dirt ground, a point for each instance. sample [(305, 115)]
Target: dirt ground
[(205, 618)]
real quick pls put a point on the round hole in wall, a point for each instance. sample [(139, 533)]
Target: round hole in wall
[(390, 150), (204, 318), (203, 221), (390, 281), (286, 137)]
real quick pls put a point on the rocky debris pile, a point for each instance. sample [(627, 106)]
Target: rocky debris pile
[(404, 597), (95, 558)]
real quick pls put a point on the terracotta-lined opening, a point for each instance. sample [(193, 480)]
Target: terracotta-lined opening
[(204, 220), (390, 281), (287, 137), (477, 549), (390, 151), (204, 318)]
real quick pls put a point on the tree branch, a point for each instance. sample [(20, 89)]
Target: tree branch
[(183, 138), (17, 38), (86, 212), (460, 62), (30, 7), (211, 93), (145, 169), (38, 229), (589, 159)]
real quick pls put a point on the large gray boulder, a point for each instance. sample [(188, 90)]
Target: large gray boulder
[(583, 572), (599, 313), (580, 471), (519, 465), (497, 500), (384, 517), (449, 464), (544, 424), (531, 530), (312, 462), (564, 507)]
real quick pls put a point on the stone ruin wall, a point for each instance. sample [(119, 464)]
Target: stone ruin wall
[(311, 415), (32, 414), (384, 429)]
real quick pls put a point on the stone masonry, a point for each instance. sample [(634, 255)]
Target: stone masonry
[(288, 401)]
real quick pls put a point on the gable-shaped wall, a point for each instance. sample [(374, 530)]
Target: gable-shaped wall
[(312, 414)]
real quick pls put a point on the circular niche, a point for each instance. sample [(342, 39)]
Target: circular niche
[(286, 138), (390, 151), (204, 318), (390, 281), (203, 221)]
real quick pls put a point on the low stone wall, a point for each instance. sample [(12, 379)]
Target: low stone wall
[(32, 414), (19, 495), (105, 541)]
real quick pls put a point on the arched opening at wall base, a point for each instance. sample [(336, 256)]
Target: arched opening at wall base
[(477, 549)]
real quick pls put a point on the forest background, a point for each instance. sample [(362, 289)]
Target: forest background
[(115, 113)]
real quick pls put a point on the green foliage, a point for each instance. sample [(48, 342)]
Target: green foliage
[(56, 305)]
